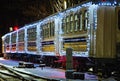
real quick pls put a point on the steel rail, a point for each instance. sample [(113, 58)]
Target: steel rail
[(17, 74), (2, 78), (20, 75)]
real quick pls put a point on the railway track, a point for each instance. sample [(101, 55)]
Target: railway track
[(9, 74)]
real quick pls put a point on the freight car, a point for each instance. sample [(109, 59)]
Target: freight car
[(91, 29)]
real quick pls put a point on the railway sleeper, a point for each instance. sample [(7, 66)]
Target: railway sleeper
[(23, 64)]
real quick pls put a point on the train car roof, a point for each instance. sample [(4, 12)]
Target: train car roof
[(99, 2), (55, 14)]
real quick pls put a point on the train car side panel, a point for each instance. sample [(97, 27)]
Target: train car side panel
[(13, 42), (21, 43), (105, 39), (31, 39), (118, 32)]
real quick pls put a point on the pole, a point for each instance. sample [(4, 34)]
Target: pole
[(69, 64)]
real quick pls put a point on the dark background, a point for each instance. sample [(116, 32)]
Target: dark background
[(21, 12)]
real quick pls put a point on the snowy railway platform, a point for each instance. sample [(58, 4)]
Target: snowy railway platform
[(54, 74)]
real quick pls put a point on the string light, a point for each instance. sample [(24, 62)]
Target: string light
[(58, 17)]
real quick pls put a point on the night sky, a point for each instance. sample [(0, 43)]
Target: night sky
[(12, 13)]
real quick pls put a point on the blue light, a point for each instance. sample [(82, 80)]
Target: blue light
[(106, 2), (115, 2)]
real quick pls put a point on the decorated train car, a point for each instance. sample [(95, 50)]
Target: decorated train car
[(91, 29)]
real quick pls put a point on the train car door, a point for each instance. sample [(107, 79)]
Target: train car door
[(118, 31)]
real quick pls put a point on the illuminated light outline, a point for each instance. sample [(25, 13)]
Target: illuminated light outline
[(74, 9)]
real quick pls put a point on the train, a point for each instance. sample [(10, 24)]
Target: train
[(91, 29)]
